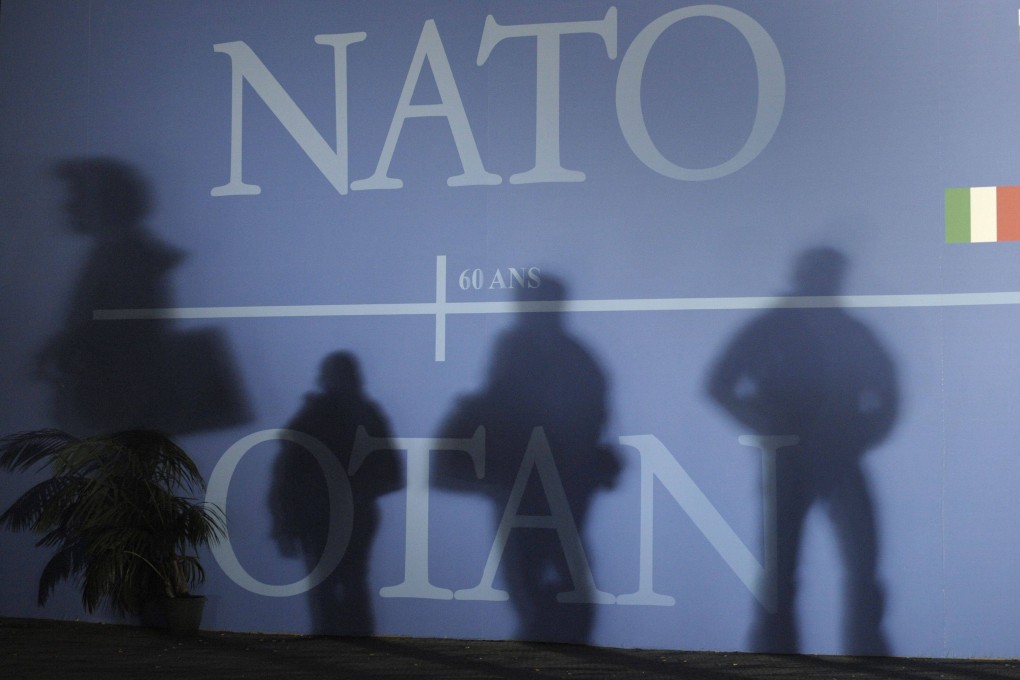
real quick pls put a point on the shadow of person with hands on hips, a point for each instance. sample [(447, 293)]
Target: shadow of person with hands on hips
[(810, 369)]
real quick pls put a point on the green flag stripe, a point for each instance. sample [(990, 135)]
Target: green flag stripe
[(958, 215)]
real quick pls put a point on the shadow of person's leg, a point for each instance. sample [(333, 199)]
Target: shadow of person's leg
[(853, 518)]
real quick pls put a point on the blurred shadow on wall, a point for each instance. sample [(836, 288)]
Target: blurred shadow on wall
[(817, 373), (299, 495), (543, 408), (110, 375)]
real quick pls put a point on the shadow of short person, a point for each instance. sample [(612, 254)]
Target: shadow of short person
[(299, 497), (818, 373)]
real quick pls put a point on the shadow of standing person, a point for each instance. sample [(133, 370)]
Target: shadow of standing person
[(110, 375), (299, 497), (544, 402), (816, 372)]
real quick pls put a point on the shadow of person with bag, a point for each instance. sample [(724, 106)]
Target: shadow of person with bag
[(816, 372), (543, 408), (299, 497), (111, 375)]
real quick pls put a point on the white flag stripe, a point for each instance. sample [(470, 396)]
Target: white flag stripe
[(983, 215)]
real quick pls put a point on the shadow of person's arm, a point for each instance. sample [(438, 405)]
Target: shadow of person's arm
[(878, 401), (733, 383)]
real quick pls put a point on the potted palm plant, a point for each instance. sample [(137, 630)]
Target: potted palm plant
[(121, 511)]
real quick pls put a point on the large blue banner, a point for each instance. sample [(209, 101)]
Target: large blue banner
[(647, 324)]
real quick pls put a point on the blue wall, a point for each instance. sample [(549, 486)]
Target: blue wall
[(698, 228)]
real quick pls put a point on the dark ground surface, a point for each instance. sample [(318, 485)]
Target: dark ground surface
[(32, 649)]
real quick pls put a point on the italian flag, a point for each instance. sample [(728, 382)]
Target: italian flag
[(982, 214)]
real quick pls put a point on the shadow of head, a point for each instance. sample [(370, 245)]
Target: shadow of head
[(819, 271), (339, 372), (105, 197)]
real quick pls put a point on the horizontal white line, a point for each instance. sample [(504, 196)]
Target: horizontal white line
[(621, 305), (265, 311)]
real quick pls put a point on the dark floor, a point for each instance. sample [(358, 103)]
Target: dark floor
[(31, 648)]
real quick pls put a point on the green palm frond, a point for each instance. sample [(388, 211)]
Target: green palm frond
[(68, 561), (120, 509), (27, 512), (22, 451)]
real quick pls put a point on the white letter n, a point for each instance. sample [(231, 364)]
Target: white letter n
[(658, 463), (246, 66)]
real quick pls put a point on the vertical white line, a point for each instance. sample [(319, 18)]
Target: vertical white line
[(770, 525), (768, 593), (440, 307)]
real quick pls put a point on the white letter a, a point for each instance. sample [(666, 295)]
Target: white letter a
[(539, 455)]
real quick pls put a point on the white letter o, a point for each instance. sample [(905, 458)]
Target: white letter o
[(341, 509), (771, 92)]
